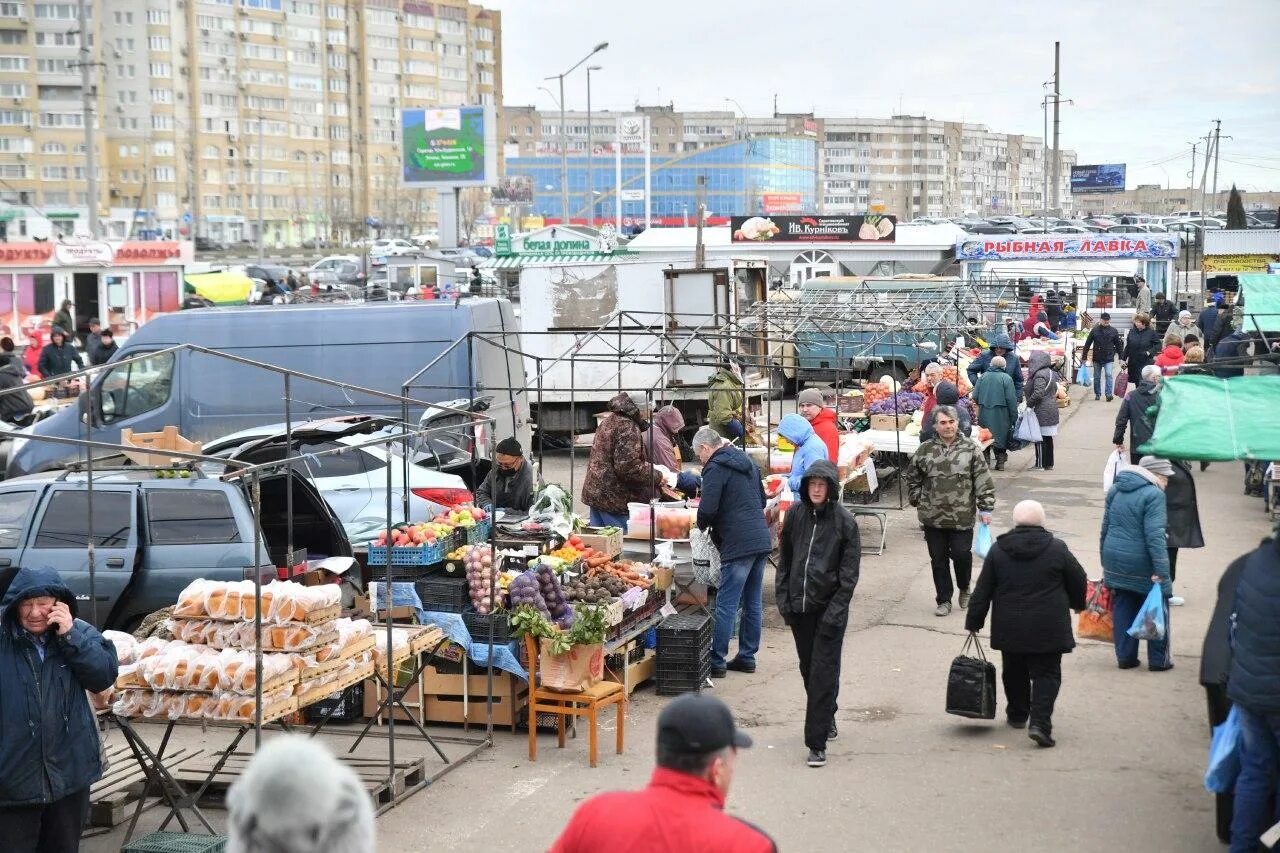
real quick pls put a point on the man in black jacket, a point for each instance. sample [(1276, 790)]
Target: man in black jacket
[(1136, 414), (509, 484), (16, 405), (1029, 579), (1104, 340), (818, 564)]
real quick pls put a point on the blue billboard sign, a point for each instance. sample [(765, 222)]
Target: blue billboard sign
[(1106, 178)]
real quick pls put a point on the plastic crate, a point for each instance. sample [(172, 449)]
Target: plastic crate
[(443, 594), (419, 555), (478, 626), (479, 533), (684, 656), (348, 707), (176, 842), (407, 573), (692, 630), (673, 682)]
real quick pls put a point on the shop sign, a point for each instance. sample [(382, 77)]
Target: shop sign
[(557, 240), (88, 252), (1064, 247), (502, 240), (1239, 263), (631, 129), (25, 254), (782, 202), (813, 229), (149, 252)]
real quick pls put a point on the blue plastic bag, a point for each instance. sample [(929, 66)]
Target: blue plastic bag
[(1082, 375), (1224, 755), (982, 541), (1149, 624)]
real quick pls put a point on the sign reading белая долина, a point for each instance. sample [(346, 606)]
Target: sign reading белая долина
[(1064, 247), (813, 229)]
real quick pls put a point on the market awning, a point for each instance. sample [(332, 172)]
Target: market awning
[(1217, 420), (1261, 294), (1064, 268), (510, 262)]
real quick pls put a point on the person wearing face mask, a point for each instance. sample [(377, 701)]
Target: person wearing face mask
[(683, 806), (509, 484), (48, 659), (1135, 554)]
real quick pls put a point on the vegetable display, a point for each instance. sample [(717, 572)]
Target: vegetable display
[(873, 391), (902, 403), (588, 629), (553, 596), (478, 561), (526, 591)]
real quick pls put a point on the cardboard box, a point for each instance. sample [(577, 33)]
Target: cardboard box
[(609, 544), (890, 423), (403, 613)]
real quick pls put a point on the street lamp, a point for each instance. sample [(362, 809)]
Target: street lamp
[(564, 139), (591, 196)]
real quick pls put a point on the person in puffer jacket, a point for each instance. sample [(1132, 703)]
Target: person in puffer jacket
[(1000, 345), (1042, 398), (1135, 554), (819, 556), (809, 446), (49, 751)]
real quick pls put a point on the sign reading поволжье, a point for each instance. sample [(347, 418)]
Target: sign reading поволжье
[(1063, 247)]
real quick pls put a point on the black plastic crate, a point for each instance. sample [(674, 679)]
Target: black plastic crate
[(443, 594), (348, 707), (690, 630), (683, 656), (478, 626), (407, 573), (675, 682)]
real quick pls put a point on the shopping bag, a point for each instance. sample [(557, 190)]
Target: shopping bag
[(706, 557), (1224, 755), (1149, 624), (1028, 428), (971, 684), (1122, 384), (1115, 462), (1095, 622), (982, 541), (1083, 377)]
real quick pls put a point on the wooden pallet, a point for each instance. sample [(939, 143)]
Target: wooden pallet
[(113, 798), (372, 772)]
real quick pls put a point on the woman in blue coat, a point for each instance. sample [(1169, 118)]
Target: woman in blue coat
[(1135, 555), (809, 447)]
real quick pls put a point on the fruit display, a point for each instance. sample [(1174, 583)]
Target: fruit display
[(674, 523), (902, 403), (873, 391), (465, 516), (569, 552), (414, 535), (481, 582)]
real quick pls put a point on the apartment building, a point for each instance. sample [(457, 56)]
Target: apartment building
[(211, 113), (910, 166)]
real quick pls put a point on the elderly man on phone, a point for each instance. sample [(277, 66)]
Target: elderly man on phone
[(49, 752)]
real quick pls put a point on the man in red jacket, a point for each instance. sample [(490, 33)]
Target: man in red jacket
[(823, 420), (683, 806)]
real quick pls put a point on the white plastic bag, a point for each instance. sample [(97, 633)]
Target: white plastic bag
[(706, 557), (1115, 462)]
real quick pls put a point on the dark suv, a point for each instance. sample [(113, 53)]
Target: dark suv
[(155, 532)]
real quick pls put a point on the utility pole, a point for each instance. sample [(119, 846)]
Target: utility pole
[(262, 237), (700, 250), (1186, 244), (1057, 155), (87, 92), (1217, 142), (591, 187), (1204, 176)]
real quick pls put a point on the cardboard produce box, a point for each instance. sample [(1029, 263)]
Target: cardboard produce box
[(890, 423), (609, 544)]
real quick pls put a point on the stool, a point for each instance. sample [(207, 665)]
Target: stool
[(878, 515)]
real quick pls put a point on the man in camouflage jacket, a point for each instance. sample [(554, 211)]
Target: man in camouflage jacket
[(948, 482), (618, 471)]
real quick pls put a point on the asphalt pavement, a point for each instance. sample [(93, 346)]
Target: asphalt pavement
[(904, 776)]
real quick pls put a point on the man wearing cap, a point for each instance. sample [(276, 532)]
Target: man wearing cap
[(682, 808), (618, 471), (823, 420), (509, 484), (1104, 340), (1135, 554), (1163, 313)]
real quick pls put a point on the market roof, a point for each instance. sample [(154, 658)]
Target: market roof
[(940, 237), (1217, 420), (1253, 241)]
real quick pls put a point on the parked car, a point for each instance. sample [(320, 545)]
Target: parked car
[(392, 246), (328, 265), (1210, 222), (204, 244), (154, 536), (428, 240), (315, 243), (1071, 229), (272, 274), (354, 482), (1188, 231), (460, 256)]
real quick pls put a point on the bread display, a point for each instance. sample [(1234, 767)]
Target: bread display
[(281, 601), (125, 645)]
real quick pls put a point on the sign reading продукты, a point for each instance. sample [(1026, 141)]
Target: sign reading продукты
[(1098, 246)]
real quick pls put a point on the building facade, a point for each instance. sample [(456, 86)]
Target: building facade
[(910, 166), (208, 110)]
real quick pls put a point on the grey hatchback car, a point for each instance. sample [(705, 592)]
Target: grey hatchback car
[(154, 534)]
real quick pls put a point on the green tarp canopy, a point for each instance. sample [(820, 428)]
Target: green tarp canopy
[(1261, 302), (1218, 420)]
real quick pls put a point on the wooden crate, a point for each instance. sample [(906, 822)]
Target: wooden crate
[(609, 544), (354, 677), (167, 439), (438, 698), (113, 798)]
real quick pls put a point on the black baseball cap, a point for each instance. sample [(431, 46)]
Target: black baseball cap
[(698, 723), (1106, 316)]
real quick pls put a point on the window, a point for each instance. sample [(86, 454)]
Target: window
[(159, 43), (58, 12), (135, 388), (13, 63), (269, 5), (14, 507), (190, 517), (161, 69), (64, 522), (164, 174), (162, 96), (351, 463), (13, 36), (162, 122), (13, 90), (16, 145), (12, 10), (61, 120), (158, 16), (53, 173)]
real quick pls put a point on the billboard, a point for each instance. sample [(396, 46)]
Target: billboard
[(1106, 178), (513, 189), (813, 229), (1066, 246), (449, 147), (782, 202)]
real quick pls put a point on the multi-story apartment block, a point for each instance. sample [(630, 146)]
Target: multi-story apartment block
[(211, 113)]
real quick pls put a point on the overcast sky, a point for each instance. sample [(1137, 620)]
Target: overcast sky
[(1146, 77)]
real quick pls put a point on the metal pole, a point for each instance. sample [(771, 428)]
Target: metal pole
[(648, 169), (261, 233), (591, 197), (564, 161), (257, 608), (1057, 154), (92, 546), (1217, 140), (1044, 158), (87, 93), (288, 462), (617, 180)]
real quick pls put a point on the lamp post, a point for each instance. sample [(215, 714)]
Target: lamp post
[(591, 155), (564, 138)]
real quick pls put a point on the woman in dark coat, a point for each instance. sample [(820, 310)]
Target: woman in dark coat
[(1042, 398), (1184, 517), (1140, 347)]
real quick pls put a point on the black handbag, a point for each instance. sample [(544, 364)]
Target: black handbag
[(971, 684)]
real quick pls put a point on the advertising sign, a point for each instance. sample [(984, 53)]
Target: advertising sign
[(782, 202), (813, 229), (631, 130), (449, 147), (1066, 247), (1239, 263), (1106, 178), (513, 189)]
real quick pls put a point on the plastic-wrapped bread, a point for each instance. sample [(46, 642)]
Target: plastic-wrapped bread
[(198, 705), (194, 600), (125, 645), (352, 631), (130, 677), (150, 647)]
